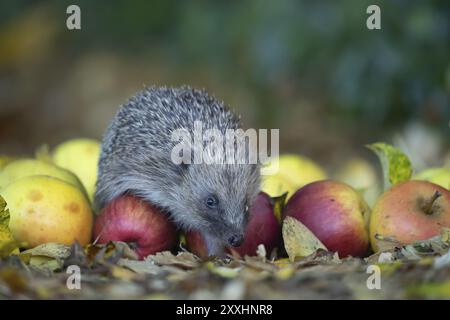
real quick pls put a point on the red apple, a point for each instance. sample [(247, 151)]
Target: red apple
[(410, 211), (335, 213), (196, 244), (130, 219), (262, 228)]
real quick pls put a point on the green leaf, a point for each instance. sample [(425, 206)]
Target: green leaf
[(395, 164)]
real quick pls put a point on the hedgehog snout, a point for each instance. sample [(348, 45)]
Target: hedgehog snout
[(236, 240)]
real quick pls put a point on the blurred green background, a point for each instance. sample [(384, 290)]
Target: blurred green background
[(310, 68)]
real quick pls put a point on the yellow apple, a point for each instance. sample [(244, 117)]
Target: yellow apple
[(30, 167), (47, 209), (290, 172), (81, 157), (275, 185), (361, 175), (439, 176)]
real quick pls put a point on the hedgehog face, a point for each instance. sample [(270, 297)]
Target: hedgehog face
[(220, 197)]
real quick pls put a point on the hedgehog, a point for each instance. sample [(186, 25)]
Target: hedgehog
[(136, 158)]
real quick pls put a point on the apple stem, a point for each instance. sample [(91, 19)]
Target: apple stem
[(429, 204)]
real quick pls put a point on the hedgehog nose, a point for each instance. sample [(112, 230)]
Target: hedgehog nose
[(236, 240)]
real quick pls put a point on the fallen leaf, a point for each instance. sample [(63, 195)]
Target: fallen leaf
[(46, 257), (224, 272), (386, 243), (182, 259), (109, 253), (419, 250), (8, 244), (50, 250), (45, 264), (77, 256), (124, 273), (13, 279), (442, 261), (299, 241), (257, 263), (385, 257), (125, 250), (139, 266), (435, 246)]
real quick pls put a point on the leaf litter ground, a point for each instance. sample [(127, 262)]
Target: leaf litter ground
[(420, 270)]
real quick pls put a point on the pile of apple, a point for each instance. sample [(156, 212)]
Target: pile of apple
[(49, 197), (336, 213), (50, 201)]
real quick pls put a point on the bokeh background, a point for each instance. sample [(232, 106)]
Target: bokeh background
[(310, 68)]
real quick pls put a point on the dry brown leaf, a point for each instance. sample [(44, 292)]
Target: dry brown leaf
[(224, 272), (124, 273), (13, 279), (259, 264), (419, 250), (110, 252), (44, 263), (50, 250), (46, 257), (386, 243), (139, 266), (182, 259)]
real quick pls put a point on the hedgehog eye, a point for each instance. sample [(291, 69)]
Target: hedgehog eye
[(212, 202), (247, 209)]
